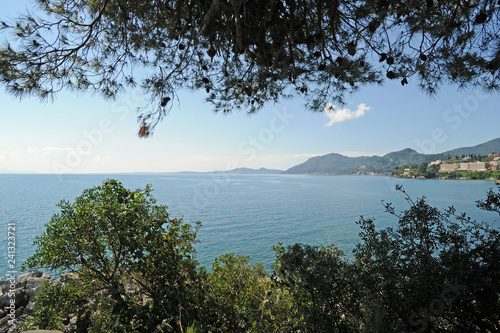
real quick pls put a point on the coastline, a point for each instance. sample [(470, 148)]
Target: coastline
[(495, 181)]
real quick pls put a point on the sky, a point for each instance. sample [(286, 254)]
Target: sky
[(84, 133)]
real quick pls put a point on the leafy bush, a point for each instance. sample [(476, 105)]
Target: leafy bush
[(134, 264), (61, 302), (434, 271), (320, 282), (237, 296)]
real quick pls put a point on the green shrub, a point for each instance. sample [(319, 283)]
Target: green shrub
[(435, 271), (238, 294), (320, 282), (135, 265)]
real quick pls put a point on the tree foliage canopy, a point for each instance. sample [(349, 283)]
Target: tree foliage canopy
[(246, 53), (124, 249)]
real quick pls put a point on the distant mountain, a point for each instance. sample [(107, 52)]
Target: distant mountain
[(249, 171), (339, 164), (333, 163), (388, 162), (239, 171), (492, 146)]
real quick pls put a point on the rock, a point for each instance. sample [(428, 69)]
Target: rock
[(18, 326), (21, 280), (7, 326), (4, 286), (22, 293), (3, 324), (19, 298), (29, 308), (19, 311), (69, 277), (34, 286)]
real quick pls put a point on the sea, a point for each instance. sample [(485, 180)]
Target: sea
[(240, 213)]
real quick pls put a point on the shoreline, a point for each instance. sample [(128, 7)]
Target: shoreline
[(496, 181)]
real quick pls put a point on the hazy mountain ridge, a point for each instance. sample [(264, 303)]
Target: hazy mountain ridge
[(250, 171), (339, 164), (237, 171)]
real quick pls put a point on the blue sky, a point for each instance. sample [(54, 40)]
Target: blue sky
[(80, 133)]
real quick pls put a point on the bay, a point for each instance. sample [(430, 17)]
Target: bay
[(243, 214)]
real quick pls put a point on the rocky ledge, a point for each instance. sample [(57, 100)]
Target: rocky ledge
[(17, 300)]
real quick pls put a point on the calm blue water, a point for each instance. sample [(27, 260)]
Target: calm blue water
[(244, 214)]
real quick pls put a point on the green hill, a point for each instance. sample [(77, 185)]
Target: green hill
[(407, 156), (340, 164), (332, 163), (492, 146)]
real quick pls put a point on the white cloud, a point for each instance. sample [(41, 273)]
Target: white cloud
[(341, 115), (48, 150)]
